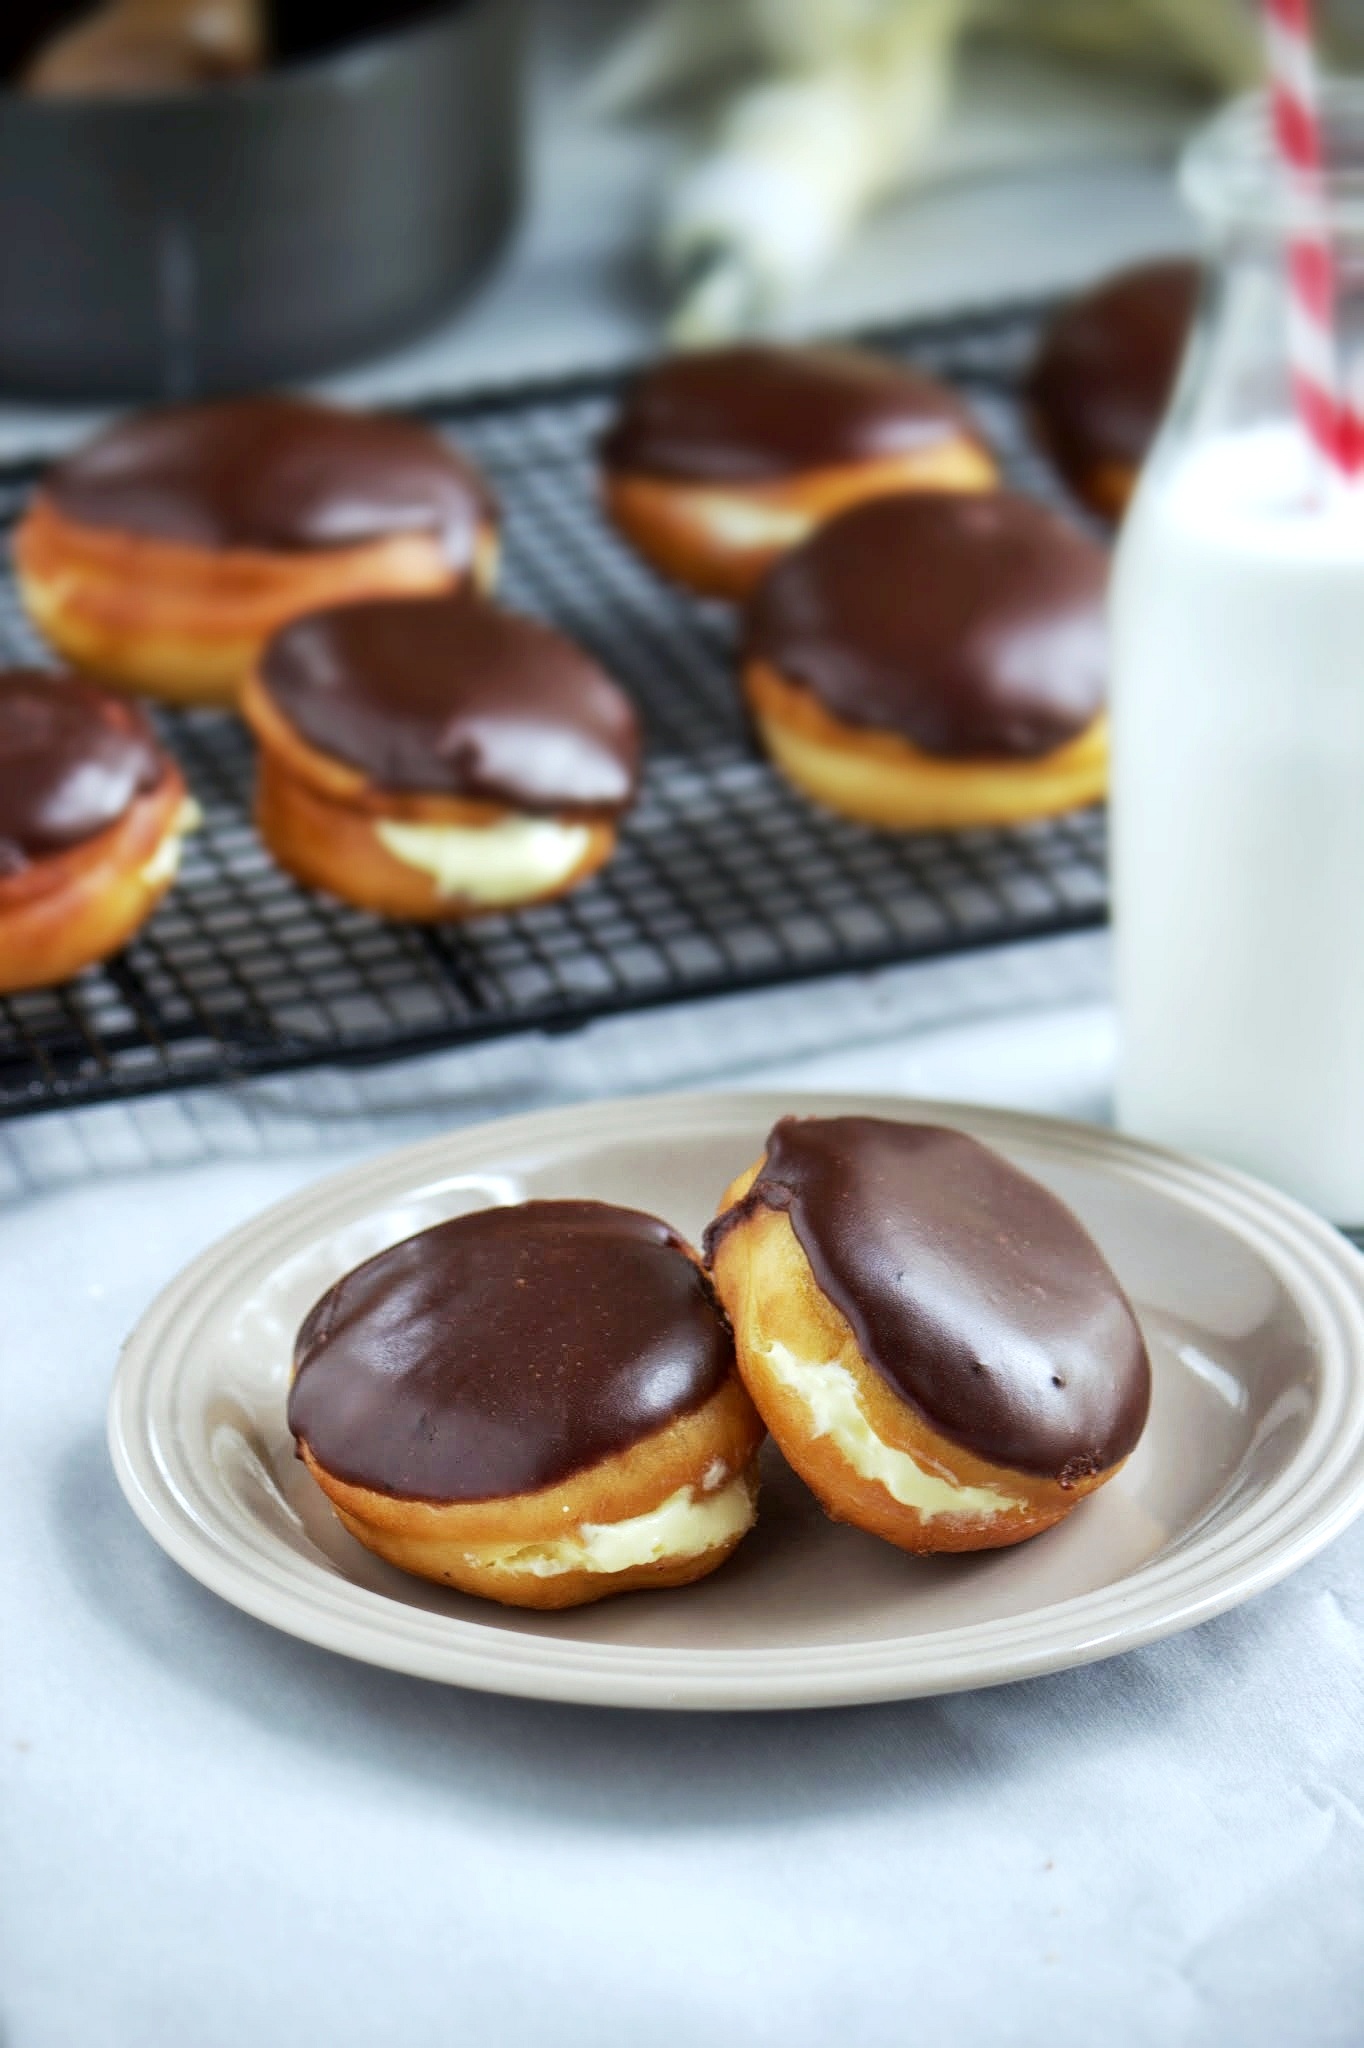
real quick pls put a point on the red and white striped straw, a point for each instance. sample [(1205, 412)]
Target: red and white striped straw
[(1330, 422)]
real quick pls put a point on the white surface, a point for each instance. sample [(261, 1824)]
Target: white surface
[(213, 1834), (1238, 851), (1251, 1460)]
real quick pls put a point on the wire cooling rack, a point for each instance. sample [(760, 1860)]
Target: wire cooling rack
[(724, 879)]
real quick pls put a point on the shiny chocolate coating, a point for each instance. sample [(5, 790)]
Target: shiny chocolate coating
[(975, 1294), (505, 1351), (72, 761), (1107, 366), (755, 414), (278, 475), (971, 624), (453, 696)]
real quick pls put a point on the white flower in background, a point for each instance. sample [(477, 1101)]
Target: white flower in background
[(827, 106)]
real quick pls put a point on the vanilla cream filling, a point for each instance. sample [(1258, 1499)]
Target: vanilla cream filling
[(164, 864), (684, 1525), (748, 523), (490, 864), (829, 1395)]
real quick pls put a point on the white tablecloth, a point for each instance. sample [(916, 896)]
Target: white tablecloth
[(214, 1835)]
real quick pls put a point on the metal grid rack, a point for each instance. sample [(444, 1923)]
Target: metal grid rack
[(724, 878)]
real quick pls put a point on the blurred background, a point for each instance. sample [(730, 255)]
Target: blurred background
[(404, 199)]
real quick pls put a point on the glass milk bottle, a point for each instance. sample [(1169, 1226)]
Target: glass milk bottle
[(1238, 715)]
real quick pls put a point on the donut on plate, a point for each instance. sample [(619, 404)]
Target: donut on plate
[(92, 813), (935, 660), (536, 1404), (933, 1340), (432, 758), (1104, 376), (723, 460), (163, 554)]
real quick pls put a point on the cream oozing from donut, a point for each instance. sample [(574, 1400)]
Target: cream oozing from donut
[(164, 864), (745, 521), (828, 1392), (687, 1524), (503, 862)]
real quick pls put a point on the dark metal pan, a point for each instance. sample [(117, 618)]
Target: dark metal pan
[(266, 229)]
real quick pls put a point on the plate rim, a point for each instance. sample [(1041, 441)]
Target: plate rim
[(1280, 1528)]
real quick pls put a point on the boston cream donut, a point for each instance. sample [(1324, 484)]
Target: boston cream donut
[(92, 812), (934, 661), (536, 1404), (933, 1340), (431, 758), (1104, 376), (722, 460), (163, 554)]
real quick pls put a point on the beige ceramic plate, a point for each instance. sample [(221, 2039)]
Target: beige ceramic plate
[(1252, 1460)]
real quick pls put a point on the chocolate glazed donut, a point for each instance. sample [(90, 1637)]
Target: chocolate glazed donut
[(936, 660), (723, 460), (92, 812), (437, 759), (933, 1339), (72, 761), (1105, 374), (537, 1404), (165, 553)]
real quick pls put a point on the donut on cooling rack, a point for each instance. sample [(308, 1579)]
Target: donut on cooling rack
[(535, 1404), (162, 555), (1104, 376), (935, 1343), (435, 757), (935, 660), (721, 461), (92, 813)]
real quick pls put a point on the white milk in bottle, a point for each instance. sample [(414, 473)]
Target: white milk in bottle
[(1238, 751)]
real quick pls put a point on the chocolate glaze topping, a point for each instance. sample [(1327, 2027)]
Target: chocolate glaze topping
[(279, 474), (72, 760), (974, 1293), (505, 1351), (971, 624), (1107, 367), (748, 415), (453, 696)]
